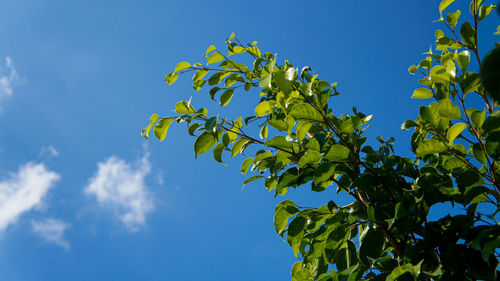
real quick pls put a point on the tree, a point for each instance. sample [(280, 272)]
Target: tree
[(385, 233)]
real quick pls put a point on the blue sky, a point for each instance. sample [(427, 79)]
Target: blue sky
[(84, 197)]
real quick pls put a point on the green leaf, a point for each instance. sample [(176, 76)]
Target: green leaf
[(452, 18), (455, 131), (197, 85), (371, 246), (263, 132), (245, 165), (210, 49), (305, 111), (277, 124), (477, 118), (264, 108), (181, 66), (193, 128), (279, 142), (211, 124), (239, 146), (282, 213), (184, 107), (215, 58), (310, 157), (449, 110), (266, 82), (204, 143), (324, 172), (161, 128), (444, 4), (152, 121), (171, 77), (218, 149), (338, 152), (422, 93), (430, 146), (463, 60), (426, 114), (302, 129), (226, 97), (200, 74), (470, 82), (414, 270), (478, 153), (251, 179), (484, 11), (467, 33)]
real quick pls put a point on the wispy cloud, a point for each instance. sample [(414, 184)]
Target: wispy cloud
[(48, 151), (8, 78), (52, 231), (120, 187), (23, 191)]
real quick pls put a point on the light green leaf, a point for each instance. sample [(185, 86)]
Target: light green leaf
[(184, 107), (204, 143), (264, 108), (277, 124), (305, 111), (444, 4), (161, 128), (210, 49), (263, 132), (282, 213), (302, 129), (239, 146), (171, 77), (477, 118), (246, 165), (279, 142), (147, 129), (422, 93), (338, 152), (449, 110), (215, 58), (218, 149), (181, 66), (226, 97), (455, 131), (266, 81), (200, 74), (430, 146), (310, 157), (414, 270)]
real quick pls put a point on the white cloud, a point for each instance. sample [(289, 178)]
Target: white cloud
[(120, 187), (49, 152), (8, 78), (52, 231), (23, 191)]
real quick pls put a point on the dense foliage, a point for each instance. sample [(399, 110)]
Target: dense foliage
[(385, 233)]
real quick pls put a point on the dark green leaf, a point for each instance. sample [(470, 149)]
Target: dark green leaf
[(467, 34), (226, 97), (219, 148)]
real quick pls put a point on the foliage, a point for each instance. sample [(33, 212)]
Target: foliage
[(385, 232)]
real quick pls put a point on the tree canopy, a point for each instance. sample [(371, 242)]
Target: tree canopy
[(385, 232)]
